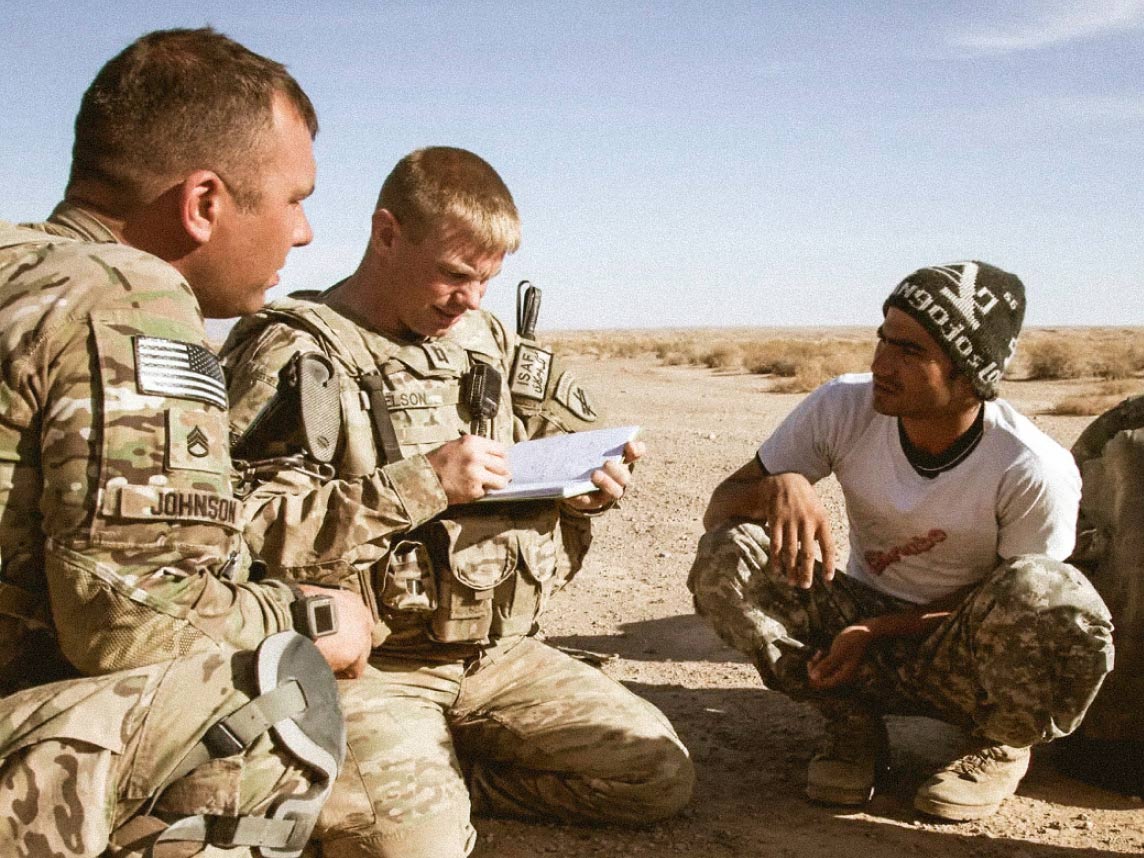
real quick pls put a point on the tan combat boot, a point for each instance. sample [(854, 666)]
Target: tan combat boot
[(975, 784), (844, 767)]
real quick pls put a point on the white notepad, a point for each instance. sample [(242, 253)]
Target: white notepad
[(561, 466)]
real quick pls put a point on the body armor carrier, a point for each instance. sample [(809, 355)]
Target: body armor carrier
[(476, 573)]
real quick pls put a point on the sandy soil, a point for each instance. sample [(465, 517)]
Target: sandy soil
[(750, 745)]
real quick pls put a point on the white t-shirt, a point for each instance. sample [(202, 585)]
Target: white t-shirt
[(919, 539)]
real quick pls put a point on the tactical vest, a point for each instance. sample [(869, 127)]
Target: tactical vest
[(477, 573)]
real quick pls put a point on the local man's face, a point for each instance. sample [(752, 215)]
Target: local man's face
[(434, 281), (913, 376), (249, 246)]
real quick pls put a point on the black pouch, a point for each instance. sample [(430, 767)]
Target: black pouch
[(305, 413)]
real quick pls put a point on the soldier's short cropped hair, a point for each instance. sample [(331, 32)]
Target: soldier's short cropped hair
[(176, 101), (442, 186)]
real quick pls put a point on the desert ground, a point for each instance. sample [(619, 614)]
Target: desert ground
[(750, 745)]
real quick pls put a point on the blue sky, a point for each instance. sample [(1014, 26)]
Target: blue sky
[(688, 163)]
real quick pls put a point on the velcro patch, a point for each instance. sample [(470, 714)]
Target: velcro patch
[(182, 370), (156, 503), (530, 371), (401, 400), (443, 356), (197, 440), (572, 396)]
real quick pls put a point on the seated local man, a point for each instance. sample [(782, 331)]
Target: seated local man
[(465, 708), (955, 603)]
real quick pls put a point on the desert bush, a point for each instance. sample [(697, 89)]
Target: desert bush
[(802, 356), (1061, 353), (723, 356), (1052, 358), (1094, 402), (1116, 360)]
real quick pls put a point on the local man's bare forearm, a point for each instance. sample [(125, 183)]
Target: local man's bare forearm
[(915, 623), (738, 496)]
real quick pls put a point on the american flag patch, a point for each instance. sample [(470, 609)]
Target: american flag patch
[(173, 368)]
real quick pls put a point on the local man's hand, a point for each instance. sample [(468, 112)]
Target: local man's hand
[(346, 650), (611, 481), (797, 521), (827, 670), (469, 467)]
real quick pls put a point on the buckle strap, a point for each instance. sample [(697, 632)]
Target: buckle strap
[(228, 831), (374, 387), (239, 729)]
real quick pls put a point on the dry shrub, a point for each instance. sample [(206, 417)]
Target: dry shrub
[(1061, 353), (1116, 360), (723, 356), (1052, 358), (806, 356), (806, 363), (1082, 405), (1094, 402)]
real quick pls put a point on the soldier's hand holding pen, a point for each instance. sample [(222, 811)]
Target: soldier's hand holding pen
[(469, 467)]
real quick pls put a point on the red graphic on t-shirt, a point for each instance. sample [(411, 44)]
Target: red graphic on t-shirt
[(879, 560)]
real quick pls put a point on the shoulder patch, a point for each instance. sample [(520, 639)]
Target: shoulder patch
[(572, 396), (530, 371), (182, 370)]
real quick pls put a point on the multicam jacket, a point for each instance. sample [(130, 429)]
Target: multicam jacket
[(120, 536), (448, 580)]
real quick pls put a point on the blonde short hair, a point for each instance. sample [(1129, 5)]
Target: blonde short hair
[(441, 186)]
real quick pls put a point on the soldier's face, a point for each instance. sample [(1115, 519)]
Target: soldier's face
[(913, 376), (430, 284), (249, 245)]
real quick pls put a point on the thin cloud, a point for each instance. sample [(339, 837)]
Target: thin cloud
[(1054, 24)]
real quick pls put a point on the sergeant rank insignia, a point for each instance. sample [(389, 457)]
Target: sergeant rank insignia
[(182, 370)]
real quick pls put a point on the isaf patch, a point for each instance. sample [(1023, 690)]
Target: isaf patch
[(572, 396), (183, 370), (531, 369)]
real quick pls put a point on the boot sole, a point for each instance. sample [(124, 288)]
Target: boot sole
[(843, 797), (953, 812)]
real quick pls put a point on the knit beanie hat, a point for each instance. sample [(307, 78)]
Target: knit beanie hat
[(972, 310)]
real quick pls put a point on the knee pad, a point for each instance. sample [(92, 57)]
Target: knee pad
[(296, 701)]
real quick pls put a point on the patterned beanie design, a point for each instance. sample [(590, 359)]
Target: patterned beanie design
[(972, 310)]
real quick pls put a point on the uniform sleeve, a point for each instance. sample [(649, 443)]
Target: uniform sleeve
[(130, 512), (301, 522), (1037, 506)]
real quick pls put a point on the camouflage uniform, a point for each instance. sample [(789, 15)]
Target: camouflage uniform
[(1017, 662), (120, 536), (1109, 747), (81, 761), (460, 693)]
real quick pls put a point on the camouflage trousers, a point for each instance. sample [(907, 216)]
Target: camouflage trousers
[(1018, 661), (81, 761), (526, 731)]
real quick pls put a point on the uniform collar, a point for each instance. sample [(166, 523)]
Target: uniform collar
[(68, 219)]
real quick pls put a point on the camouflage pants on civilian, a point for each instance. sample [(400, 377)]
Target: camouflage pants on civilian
[(81, 760), (1017, 662), (526, 732)]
